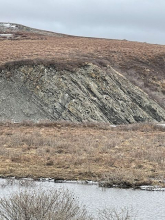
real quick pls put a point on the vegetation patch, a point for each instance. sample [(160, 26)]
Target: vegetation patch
[(128, 155)]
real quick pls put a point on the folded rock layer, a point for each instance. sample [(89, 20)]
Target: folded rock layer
[(88, 93)]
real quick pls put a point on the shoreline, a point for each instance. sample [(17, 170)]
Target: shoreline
[(26, 181)]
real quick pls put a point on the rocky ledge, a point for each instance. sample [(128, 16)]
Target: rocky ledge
[(88, 93)]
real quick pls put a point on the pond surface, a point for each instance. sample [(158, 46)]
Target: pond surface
[(146, 205)]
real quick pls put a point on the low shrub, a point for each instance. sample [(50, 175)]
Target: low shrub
[(41, 205)]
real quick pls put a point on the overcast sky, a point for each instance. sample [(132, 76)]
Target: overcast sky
[(137, 20)]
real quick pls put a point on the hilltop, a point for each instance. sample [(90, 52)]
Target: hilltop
[(19, 31)]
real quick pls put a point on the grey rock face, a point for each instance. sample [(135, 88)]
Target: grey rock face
[(89, 93)]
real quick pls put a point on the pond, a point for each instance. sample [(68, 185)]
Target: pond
[(145, 205)]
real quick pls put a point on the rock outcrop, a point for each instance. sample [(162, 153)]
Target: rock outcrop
[(88, 93)]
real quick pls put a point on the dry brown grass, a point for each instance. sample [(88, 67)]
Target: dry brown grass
[(122, 53), (126, 154)]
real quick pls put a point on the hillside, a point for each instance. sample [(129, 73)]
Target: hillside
[(47, 75)]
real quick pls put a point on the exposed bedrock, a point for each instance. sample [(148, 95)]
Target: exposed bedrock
[(89, 93)]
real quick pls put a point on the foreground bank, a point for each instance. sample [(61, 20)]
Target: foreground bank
[(112, 203)]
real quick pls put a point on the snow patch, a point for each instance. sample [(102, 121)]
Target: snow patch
[(6, 35), (163, 125), (152, 188), (8, 25)]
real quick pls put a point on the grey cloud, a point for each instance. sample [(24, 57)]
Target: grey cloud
[(140, 20)]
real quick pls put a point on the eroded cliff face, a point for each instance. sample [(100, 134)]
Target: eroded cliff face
[(88, 93)]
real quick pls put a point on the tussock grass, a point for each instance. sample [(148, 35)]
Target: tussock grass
[(128, 155)]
